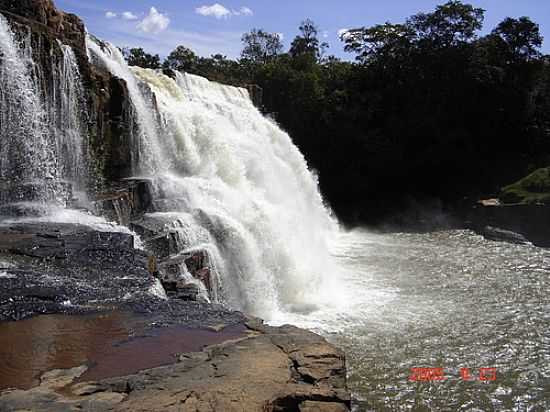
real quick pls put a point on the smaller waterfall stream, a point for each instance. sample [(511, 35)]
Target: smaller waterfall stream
[(146, 150), (67, 102), (27, 162), (42, 155)]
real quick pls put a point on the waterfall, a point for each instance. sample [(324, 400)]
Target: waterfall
[(28, 170), (66, 107), (42, 151), (241, 186), (146, 151)]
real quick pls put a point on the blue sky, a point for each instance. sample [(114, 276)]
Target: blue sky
[(216, 26)]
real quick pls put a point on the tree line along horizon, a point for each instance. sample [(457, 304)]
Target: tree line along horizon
[(429, 111)]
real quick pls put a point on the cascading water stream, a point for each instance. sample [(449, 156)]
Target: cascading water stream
[(42, 151), (28, 170), (146, 150), (67, 101)]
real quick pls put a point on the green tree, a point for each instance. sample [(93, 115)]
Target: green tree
[(450, 24), (521, 36), (260, 46), (388, 40), (181, 59), (138, 57), (307, 42)]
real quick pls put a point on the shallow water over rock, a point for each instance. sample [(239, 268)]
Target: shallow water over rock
[(110, 344)]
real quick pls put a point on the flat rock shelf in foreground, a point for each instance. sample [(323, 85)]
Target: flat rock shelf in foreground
[(264, 369)]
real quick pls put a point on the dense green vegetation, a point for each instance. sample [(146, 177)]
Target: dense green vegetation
[(430, 109)]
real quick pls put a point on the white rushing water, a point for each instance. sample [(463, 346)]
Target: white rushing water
[(235, 185), (27, 161), (146, 150), (43, 139), (238, 179), (66, 106)]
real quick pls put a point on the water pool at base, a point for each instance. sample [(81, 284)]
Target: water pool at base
[(450, 300)]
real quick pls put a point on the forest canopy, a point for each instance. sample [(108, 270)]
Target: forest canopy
[(430, 109)]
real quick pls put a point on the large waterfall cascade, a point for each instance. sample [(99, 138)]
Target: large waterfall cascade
[(238, 177), (42, 153), (233, 184)]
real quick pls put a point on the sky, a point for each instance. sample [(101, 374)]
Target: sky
[(216, 26)]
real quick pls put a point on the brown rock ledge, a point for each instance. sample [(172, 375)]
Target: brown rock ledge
[(272, 369)]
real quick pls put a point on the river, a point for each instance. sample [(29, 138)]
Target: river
[(447, 299)]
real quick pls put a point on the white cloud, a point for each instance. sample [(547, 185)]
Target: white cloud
[(216, 10), (220, 12), (154, 22), (110, 15), (281, 36), (325, 34), (128, 15), (343, 33), (245, 11)]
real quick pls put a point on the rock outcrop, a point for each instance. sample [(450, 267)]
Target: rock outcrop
[(50, 268)]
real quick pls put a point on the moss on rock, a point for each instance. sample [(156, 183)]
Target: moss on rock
[(534, 188)]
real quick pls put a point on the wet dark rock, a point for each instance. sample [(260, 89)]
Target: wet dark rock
[(159, 234), (170, 73), (128, 200), (256, 94), (187, 291), (69, 268), (197, 264)]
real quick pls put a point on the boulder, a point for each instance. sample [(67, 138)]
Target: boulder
[(197, 264)]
